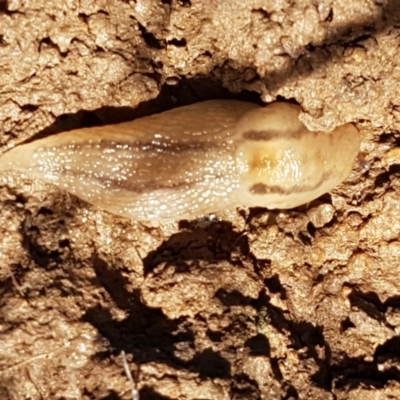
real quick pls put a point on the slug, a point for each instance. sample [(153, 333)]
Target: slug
[(194, 160)]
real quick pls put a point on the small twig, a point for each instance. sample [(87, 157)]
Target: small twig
[(135, 392)]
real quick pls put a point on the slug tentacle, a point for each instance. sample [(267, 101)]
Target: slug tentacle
[(193, 160)]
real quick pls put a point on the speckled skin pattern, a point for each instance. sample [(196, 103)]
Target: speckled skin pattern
[(194, 160)]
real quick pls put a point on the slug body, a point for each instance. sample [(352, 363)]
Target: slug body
[(194, 160)]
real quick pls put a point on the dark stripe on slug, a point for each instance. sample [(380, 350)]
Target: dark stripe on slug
[(129, 186), (258, 136), (155, 146), (143, 188), (262, 189), (161, 145)]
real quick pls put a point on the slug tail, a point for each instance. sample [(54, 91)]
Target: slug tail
[(17, 159)]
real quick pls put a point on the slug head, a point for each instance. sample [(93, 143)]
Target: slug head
[(283, 165)]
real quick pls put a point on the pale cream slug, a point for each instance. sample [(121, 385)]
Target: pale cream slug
[(194, 160)]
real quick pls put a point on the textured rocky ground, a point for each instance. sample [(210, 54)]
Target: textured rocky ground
[(293, 305)]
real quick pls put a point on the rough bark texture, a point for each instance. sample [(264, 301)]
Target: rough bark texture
[(292, 305)]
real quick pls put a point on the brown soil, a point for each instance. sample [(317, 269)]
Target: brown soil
[(292, 305)]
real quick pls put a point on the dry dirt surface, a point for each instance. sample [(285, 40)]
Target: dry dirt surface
[(302, 304)]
